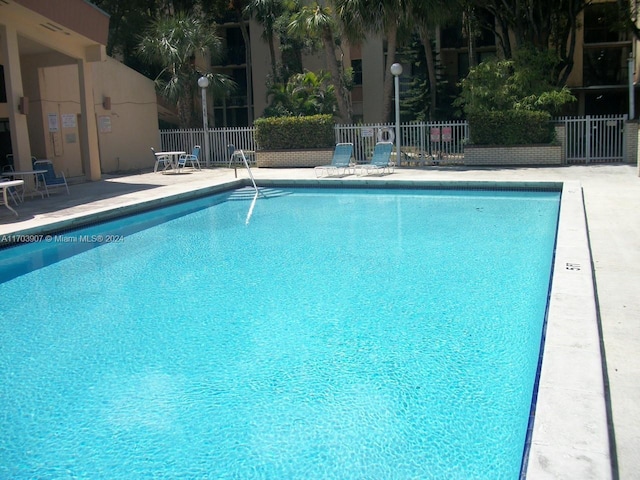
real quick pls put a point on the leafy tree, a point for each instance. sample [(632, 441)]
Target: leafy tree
[(303, 95), (426, 16), (522, 83), (173, 43), (539, 25), (628, 14), (316, 21)]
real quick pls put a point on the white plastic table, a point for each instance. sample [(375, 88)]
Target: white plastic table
[(5, 186), (27, 188), (174, 155)]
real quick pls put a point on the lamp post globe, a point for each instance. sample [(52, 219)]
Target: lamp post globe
[(396, 71), (203, 83)]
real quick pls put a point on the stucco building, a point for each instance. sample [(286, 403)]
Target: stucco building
[(603, 58), (62, 98)]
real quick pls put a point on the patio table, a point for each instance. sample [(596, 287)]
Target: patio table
[(27, 188), (174, 155), (5, 186)]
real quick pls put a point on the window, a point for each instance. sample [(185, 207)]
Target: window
[(356, 65), (3, 91), (606, 48), (234, 50), (602, 24), (605, 66)]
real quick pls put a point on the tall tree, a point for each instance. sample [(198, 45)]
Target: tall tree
[(173, 43), (267, 13), (426, 16), (383, 17), (317, 21), (540, 24), (628, 12)]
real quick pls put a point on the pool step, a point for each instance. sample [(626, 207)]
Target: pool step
[(247, 193)]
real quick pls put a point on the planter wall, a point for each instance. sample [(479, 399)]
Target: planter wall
[(513, 155), (293, 158)]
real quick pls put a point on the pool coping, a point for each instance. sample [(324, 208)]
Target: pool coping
[(570, 434)]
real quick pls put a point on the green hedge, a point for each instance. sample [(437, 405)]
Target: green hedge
[(510, 127), (290, 133)]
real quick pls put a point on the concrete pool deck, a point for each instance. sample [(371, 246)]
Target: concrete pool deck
[(572, 445)]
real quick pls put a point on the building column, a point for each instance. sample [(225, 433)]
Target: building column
[(15, 91), (88, 128)]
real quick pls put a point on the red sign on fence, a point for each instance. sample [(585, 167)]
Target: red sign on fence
[(446, 134)]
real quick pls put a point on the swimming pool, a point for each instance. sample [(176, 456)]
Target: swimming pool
[(340, 334)]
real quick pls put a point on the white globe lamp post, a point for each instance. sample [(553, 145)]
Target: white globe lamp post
[(203, 83), (396, 71)]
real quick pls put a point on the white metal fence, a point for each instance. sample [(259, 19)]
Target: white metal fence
[(587, 139), (219, 138), (421, 143), (594, 139)]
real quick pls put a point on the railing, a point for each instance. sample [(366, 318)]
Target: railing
[(219, 138), (586, 140), (421, 143), (594, 139)]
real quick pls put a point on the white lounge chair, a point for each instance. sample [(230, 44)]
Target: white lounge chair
[(380, 162), (341, 161)]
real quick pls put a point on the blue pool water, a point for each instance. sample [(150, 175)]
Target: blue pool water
[(338, 334)]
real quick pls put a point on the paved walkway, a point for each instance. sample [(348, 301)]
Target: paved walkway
[(612, 201)]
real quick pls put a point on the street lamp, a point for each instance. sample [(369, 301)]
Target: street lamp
[(396, 71), (632, 94), (203, 83)]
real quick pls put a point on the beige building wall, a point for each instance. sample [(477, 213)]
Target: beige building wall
[(372, 87), (88, 113), (126, 129), (132, 120), (261, 67)]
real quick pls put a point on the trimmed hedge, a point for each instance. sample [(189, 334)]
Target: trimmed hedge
[(510, 127), (291, 133)]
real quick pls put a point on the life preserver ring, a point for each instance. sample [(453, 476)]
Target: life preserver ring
[(386, 134)]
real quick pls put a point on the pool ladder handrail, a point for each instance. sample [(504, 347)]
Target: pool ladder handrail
[(233, 153)]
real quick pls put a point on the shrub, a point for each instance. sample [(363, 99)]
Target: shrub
[(290, 133), (510, 127), (510, 102)]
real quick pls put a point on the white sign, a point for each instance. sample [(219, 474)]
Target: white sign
[(366, 132), (68, 120), (53, 122), (104, 123)]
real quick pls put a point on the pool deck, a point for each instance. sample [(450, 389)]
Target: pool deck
[(594, 305)]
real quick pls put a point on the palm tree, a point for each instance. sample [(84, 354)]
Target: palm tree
[(427, 15), (382, 17), (305, 93), (173, 43), (317, 21), (267, 12)]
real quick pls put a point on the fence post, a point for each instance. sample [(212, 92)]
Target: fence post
[(587, 139)]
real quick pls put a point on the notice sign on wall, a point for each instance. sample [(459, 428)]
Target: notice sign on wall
[(54, 126), (68, 120), (104, 123)]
